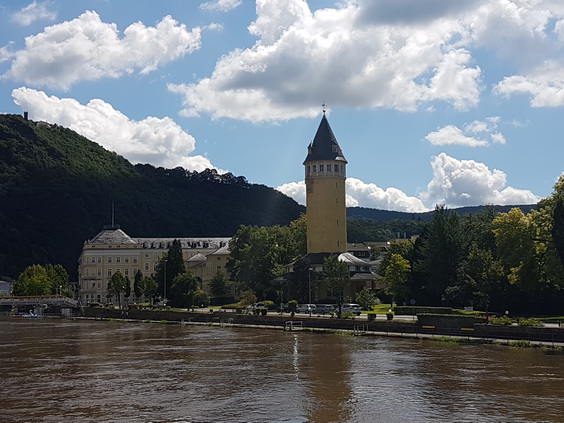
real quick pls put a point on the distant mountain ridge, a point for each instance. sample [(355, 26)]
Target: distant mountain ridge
[(387, 215)]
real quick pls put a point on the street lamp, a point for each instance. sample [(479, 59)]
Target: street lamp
[(309, 289), (164, 291)]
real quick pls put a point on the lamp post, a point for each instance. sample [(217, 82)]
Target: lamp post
[(164, 291), (309, 289)]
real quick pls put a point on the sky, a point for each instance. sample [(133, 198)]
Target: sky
[(457, 103)]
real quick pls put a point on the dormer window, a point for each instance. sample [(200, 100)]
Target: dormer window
[(335, 149), (321, 168)]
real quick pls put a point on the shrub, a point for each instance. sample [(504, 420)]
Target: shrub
[(504, 320), (347, 315), (408, 310), (530, 322), (521, 343)]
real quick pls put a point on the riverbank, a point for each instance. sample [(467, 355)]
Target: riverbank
[(484, 333)]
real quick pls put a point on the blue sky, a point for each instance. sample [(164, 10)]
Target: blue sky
[(435, 102)]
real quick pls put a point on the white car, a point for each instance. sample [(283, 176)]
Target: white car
[(306, 308), (351, 308)]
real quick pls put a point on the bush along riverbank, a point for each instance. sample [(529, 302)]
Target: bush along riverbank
[(425, 325)]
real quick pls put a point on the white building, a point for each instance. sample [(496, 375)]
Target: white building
[(112, 250)]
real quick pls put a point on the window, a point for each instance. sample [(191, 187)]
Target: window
[(321, 167), (146, 266), (336, 168), (134, 260), (126, 259), (99, 285), (218, 268), (126, 272), (99, 272), (334, 149), (93, 285), (308, 169), (314, 168), (118, 259), (99, 259), (109, 259), (109, 273)]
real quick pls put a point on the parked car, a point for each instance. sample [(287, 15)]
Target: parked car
[(255, 307), (324, 308), (351, 308), (306, 308)]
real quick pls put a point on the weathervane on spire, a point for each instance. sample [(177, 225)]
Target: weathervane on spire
[(324, 107)]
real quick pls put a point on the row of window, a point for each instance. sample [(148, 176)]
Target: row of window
[(125, 260), (111, 259), (325, 169)]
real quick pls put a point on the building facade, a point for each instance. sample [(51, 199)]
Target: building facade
[(112, 250)]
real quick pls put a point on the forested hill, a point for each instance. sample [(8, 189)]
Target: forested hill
[(387, 215), (57, 189)]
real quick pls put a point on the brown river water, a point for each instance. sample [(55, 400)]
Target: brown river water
[(92, 371)]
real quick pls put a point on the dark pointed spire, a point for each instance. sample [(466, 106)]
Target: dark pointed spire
[(324, 145)]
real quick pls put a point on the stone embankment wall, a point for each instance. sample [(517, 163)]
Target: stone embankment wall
[(474, 330)]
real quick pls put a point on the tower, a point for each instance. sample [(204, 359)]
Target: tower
[(325, 174)]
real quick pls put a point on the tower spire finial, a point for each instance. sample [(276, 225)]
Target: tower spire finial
[(324, 106)]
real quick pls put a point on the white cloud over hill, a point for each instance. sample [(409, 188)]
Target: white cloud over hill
[(158, 141)]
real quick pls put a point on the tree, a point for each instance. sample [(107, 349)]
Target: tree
[(182, 290), (34, 280), (137, 285), (127, 289), (58, 279), (254, 259), (169, 266), (220, 284), (336, 277), (481, 281), (150, 288), (396, 275), (117, 285), (366, 299), (438, 254)]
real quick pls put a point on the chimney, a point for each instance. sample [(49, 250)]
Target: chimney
[(26, 115)]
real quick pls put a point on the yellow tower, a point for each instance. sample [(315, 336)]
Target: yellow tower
[(325, 174)]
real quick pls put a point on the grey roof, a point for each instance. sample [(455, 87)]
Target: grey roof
[(197, 258), (112, 236), (324, 146), (117, 236)]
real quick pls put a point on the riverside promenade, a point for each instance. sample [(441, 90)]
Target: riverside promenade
[(407, 326)]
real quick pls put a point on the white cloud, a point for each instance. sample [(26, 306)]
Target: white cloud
[(545, 85), (367, 54), (302, 56), (452, 135), (220, 5), (33, 12), (456, 183), (158, 141), (361, 194), (466, 182), (87, 49)]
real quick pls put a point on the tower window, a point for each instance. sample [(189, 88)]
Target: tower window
[(321, 168), (334, 149), (336, 168), (314, 168), (308, 169)]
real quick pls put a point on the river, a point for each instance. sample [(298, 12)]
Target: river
[(92, 371)]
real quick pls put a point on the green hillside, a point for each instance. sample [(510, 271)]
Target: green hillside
[(57, 190)]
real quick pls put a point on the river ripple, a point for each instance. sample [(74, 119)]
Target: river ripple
[(87, 371)]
